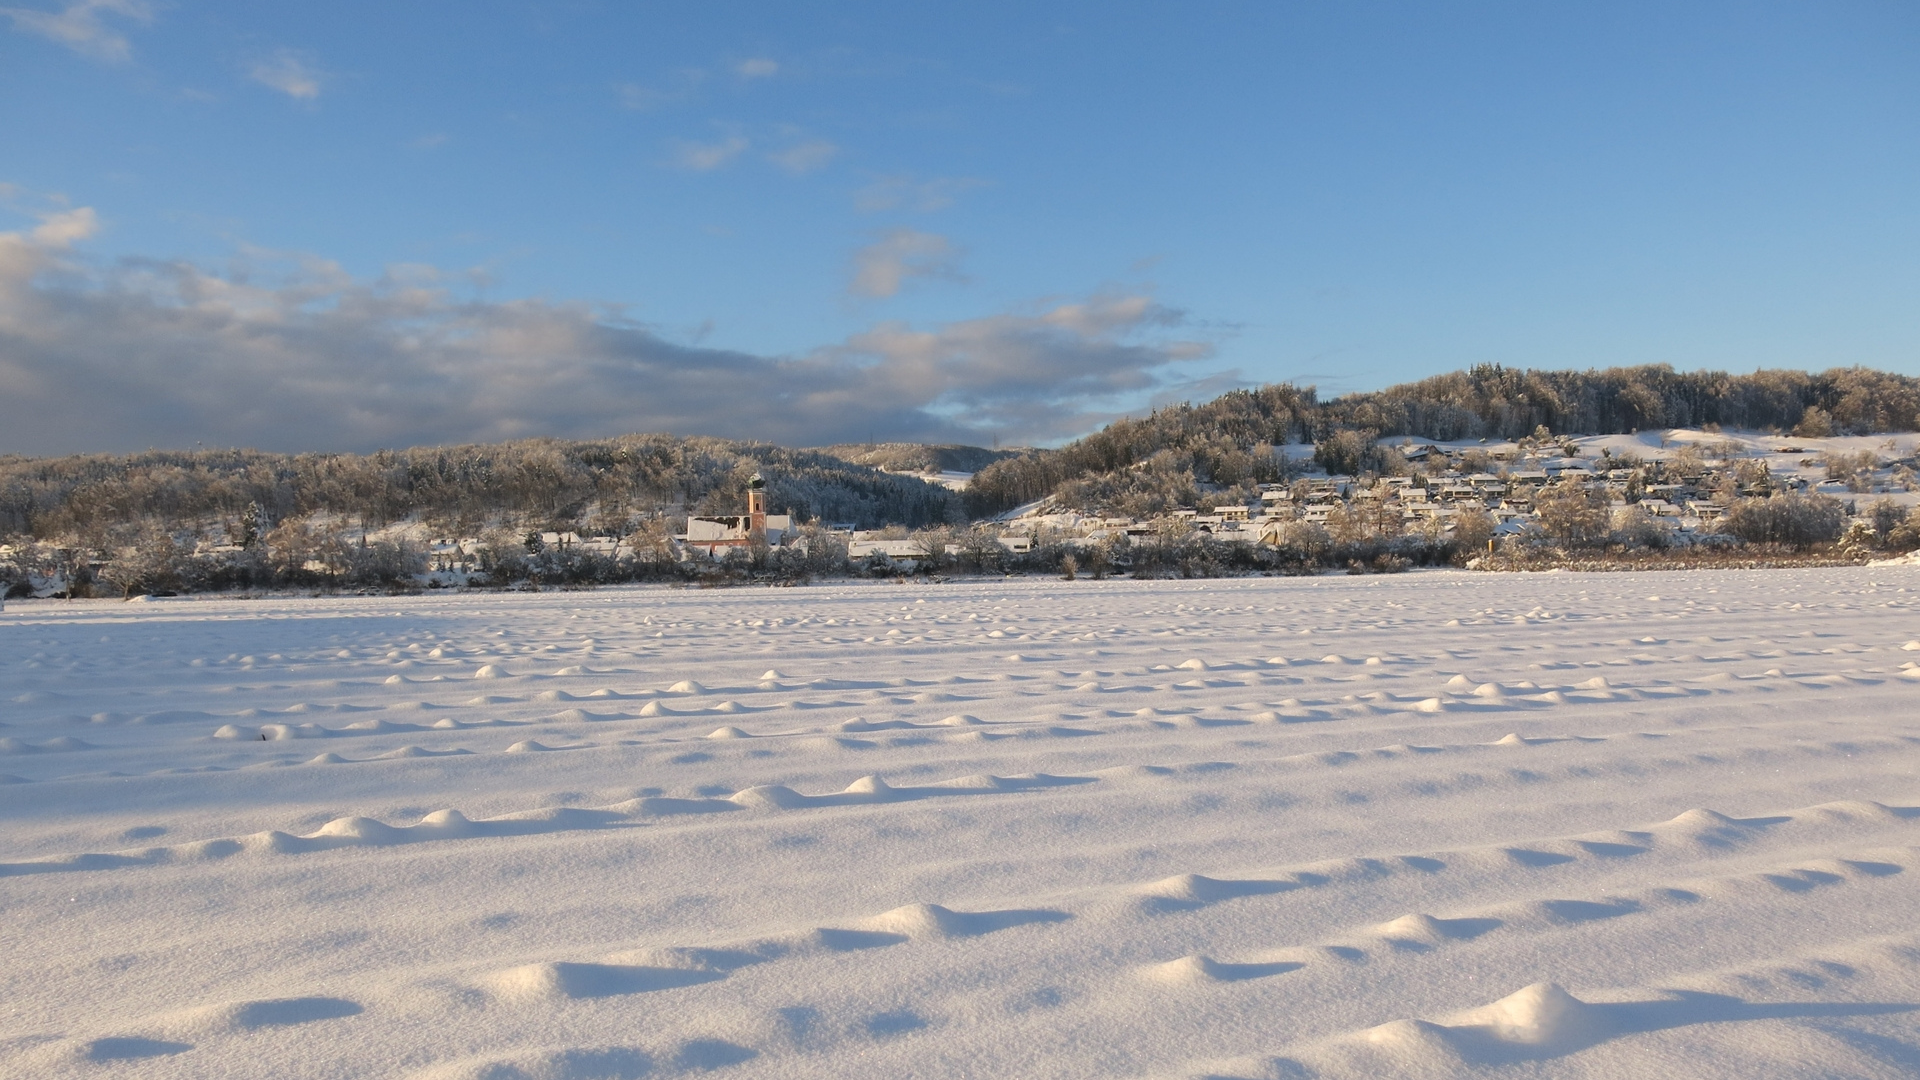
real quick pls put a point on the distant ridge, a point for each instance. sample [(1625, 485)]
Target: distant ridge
[(593, 484)]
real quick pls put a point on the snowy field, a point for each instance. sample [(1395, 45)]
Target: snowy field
[(1446, 824)]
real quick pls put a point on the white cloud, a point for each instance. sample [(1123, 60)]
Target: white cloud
[(757, 68), (806, 157), (905, 192), (148, 353), (900, 255), (288, 72), (59, 229), (24, 255), (80, 26), (706, 157)]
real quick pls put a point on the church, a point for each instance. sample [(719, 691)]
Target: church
[(713, 535)]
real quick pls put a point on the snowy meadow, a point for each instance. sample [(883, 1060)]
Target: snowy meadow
[(1437, 824)]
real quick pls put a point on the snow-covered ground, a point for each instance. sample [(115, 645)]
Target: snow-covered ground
[(1447, 824), (949, 479)]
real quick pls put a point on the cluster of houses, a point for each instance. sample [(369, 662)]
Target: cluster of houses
[(1681, 499)]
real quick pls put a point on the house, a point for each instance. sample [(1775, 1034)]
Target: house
[(915, 549), (892, 549)]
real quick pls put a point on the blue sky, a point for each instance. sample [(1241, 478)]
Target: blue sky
[(349, 225)]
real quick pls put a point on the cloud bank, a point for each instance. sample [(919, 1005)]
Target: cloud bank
[(150, 353)]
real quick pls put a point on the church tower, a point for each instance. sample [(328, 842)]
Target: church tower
[(757, 505)]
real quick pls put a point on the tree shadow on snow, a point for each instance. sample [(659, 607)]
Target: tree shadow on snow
[(129, 1049)]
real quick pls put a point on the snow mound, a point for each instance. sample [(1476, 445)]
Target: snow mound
[(769, 797), (1541, 1016)]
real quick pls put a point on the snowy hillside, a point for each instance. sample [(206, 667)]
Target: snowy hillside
[(1440, 824)]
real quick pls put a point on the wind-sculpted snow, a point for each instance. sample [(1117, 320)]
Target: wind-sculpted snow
[(1434, 825)]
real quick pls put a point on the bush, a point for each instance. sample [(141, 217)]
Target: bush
[(1633, 527), (152, 564), (1800, 521), (1885, 517)]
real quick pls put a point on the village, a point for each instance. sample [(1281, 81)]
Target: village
[(1682, 485), (1422, 499)]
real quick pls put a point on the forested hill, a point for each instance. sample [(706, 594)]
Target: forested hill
[(1145, 461), (599, 486)]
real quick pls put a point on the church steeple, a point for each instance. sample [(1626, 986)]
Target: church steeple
[(757, 504)]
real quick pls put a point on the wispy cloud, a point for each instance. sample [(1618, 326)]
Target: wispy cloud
[(805, 157), (900, 255), (643, 98), (706, 157), (81, 25), (314, 358), (908, 193), (684, 84), (288, 72)]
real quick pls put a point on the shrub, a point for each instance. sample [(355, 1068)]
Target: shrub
[(1797, 520)]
